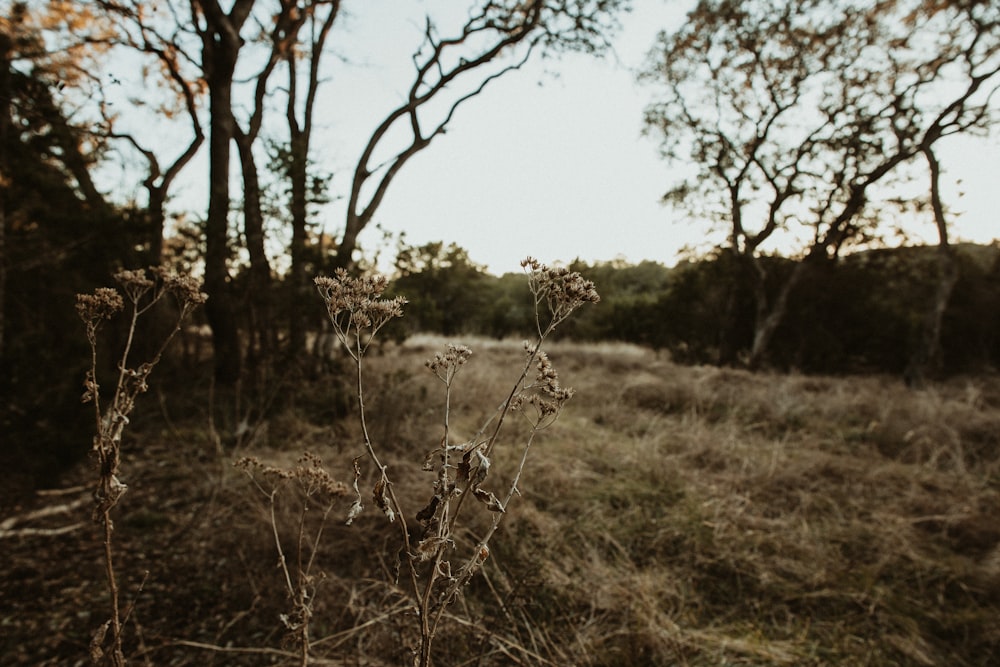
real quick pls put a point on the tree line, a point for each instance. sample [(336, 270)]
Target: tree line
[(863, 313)]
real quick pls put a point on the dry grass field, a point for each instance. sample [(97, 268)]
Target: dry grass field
[(672, 516)]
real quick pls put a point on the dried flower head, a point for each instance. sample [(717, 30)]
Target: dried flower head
[(445, 365), (316, 479), (309, 473), (562, 290), (103, 304), (354, 304), (545, 393), (135, 283), (186, 289)]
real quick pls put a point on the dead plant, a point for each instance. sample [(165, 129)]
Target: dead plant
[(436, 563), (141, 293), (318, 488)]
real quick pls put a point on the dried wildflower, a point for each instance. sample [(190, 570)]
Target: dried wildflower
[(445, 365), (254, 467), (110, 421), (545, 393), (562, 290), (136, 279), (355, 309), (247, 463), (546, 376), (358, 298), (300, 581), (103, 304), (185, 288), (310, 474), (551, 405), (135, 283), (315, 479)]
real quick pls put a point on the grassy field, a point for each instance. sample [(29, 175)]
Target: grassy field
[(672, 516)]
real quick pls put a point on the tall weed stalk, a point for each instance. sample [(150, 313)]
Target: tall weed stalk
[(437, 567), (317, 489), (141, 293)]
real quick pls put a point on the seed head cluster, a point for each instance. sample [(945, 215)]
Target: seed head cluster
[(186, 289), (106, 302), (545, 393), (445, 365), (103, 304), (358, 299), (309, 472), (135, 283), (561, 289)]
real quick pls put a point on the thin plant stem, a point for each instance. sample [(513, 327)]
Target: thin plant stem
[(109, 427), (396, 507), (355, 309), (277, 543)]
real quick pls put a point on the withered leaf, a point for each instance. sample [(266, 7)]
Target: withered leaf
[(482, 465), (381, 495), (355, 510), (426, 513), (465, 466), (429, 547), (487, 498)]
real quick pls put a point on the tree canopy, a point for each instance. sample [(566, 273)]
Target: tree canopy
[(801, 119)]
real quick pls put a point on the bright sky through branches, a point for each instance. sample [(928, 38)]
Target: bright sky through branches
[(550, 161)]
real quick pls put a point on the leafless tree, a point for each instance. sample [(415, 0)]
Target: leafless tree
[(138, 28), (797, 112)]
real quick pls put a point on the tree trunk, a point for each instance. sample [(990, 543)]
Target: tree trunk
[(927, 353), (261, 335), (157, 221), (5, 49), (303, 298), (299, 287), (768, 320), (219, 58), (734, 270), (928, 348), (344, 258)]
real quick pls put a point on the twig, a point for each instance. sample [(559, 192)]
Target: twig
[(42, 532), (10, 522)]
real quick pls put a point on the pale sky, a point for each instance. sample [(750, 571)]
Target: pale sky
[(550, 161)]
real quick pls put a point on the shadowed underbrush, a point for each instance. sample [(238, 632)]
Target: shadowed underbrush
[(673, 516)]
